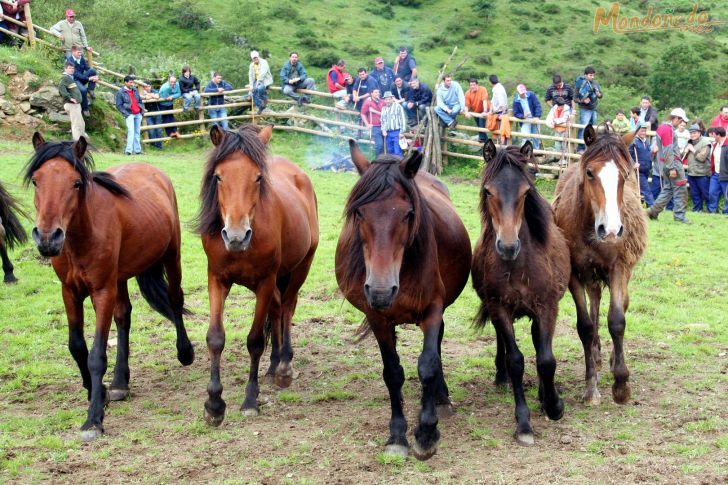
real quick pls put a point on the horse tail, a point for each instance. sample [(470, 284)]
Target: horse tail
[(11, 226), (481, 319), (267, 330), (363, 331), (155, 289)]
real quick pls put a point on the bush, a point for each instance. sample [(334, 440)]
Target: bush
[(551, 9), (188, 16), (322, 58), (671, 84), (282, 11)]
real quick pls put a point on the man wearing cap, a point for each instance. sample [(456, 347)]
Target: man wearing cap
[(371, 112), (129, 104), (294, 77), (259, 78), (68, 88), (697, 152), (527, 107), (71, 33), (393, 124), (383, 75), (674, 183), (405, 65), (476, 101), (450, 101), (641, 152)]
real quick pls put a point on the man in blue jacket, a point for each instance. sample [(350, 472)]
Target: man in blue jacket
[(85, 77), (641, 152), (419, 98), (527, 107), (295, 77), (218, 85)]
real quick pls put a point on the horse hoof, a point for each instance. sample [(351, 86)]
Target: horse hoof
[(556, 411), (283, 382), (592, 398), (445, 411), (250, 412), (423, 454), (186, 355), (621, 394), (396, 450), (524, 439), (10, 280), (213, 420), (92, 434), (118, 394), (269, 379)]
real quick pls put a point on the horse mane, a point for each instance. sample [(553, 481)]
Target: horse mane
[(85, 167), (379, 181), (245, 140), (609, 146), (536, 211), (9, 209)]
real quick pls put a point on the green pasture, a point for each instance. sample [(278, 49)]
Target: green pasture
[(676, 348)]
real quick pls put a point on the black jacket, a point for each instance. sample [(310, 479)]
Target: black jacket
[(188, 84)]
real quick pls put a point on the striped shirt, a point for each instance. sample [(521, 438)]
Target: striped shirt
[(393, 118)]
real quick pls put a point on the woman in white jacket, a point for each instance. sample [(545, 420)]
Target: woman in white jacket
[(558, 119)]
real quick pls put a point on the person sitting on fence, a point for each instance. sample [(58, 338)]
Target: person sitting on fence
[(364, 85), (620, 123), (558, 119), (68, 88), (85, 76), (371, 112), (399, 90), (295, 77), (641, 152), (383, 75), (450, 101), (218, 85), (336, 82), (393, 124), (697, 153), (405, 65), (259, 78), (527, 107), (419, 98), (14, 9), (634, 118), (150, 96), (129, 103), (189, 86), (168, 92), (71, 32), (476, 101)]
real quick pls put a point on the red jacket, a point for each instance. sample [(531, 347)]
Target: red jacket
[(339, 75)]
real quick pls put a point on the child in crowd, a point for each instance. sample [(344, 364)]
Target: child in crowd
[(558, 118), (620, 123)]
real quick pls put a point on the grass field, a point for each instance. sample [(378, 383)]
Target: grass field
[(330, 425)]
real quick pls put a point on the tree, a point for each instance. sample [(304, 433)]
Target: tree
[(675, 82)]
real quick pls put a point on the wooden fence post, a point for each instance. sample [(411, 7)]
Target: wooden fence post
[(29, 24)]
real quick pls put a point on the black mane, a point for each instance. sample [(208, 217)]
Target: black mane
[(245, 140), (9, 211)]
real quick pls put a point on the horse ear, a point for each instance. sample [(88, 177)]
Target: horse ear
[(265, 134), (216, 135), (412, 164), (489, 151), (628, 138), (527, 150), (589, 135), (79, 148), (38, 140), (357, 157)]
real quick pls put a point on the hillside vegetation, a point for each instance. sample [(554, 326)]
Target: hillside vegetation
[(518, 40)]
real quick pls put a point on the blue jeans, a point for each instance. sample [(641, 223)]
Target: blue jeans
[(716, 190), (219, 113), (646, 190), (446, 117), (290, 89), (168, 118), (530, 129), (480, 123), (378, 140), (133, 126), (260, 95), (699, 190), (189, 97), (392, 141), (586, 117), (155, 132)]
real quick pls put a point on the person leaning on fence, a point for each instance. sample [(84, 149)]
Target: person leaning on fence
[(588, 93), (168, 93), (559, 89), (68, 88), (71, 32), (476, 101), (719, 169), (218, 85), (394, 123), (371, 116), (336, 82), (129, 103), (189, 86), (295, 77), (527, 107), (13, 9), (558, 119), (641, 152), (85, 75), (259, 78), (450, 101), (419, 98), (697, 153), (150, 96)]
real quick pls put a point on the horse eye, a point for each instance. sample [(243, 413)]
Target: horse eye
[(35, 184), (77, 184), (218, 179), (589, 174), (486, 192), (409, 216), (258, 179)]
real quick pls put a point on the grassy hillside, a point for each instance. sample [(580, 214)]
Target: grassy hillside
[(518, 40)]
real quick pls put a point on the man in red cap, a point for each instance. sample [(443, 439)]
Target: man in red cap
[(383, 75), (71, 33)]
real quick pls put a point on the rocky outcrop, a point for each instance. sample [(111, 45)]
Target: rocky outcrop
[(26, 99), (47, 98)]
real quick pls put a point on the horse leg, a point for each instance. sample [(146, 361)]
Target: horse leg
[(501, 374), (104, 301), (594, 290), (8, 268), (542, 333), (256, 342), (273, 326), (393, 376), (215, 405), (442, 400), (618, 304), (586, 333), (172, 265), (76, 342), (429, 368), (119, 389)]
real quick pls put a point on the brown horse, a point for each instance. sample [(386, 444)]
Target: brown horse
[(100, 229), (259, 227), (520, 269), (11, 232), (403, 257), (597, 206)]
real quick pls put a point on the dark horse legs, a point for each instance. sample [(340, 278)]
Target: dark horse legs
[(8, 268), (617, 308), (429, 368), (542, 334), (444, 404), (587, 333), (119, 388), (215, 405)]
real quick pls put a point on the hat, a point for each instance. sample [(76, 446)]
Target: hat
[(521, 88), (70, 13), (378, 59), (680, 113), (642, 125), (254, 54), (694, 127), (388, 94)]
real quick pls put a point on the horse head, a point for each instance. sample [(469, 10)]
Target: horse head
[(508, 197), (60, 173), (235, 180), (605, 166), (387, 212)]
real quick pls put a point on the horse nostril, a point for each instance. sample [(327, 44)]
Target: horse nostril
[(601, 231), (35, 234), (224, 235), (621, 230), (57, 235), (394, 290), (248, 236), (367, 289)]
